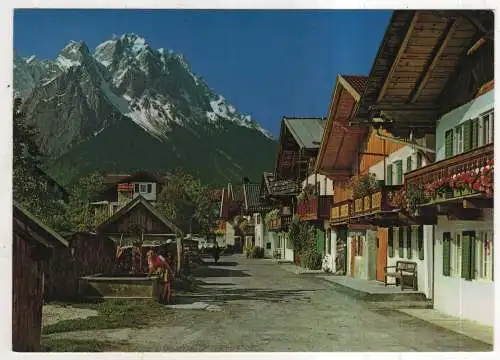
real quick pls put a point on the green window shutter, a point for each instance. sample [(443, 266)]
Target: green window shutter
[(468, 254), (399, 172), (467, 135), (446, 253), (419, 160), (475, 133), (408, 164), (401, 244), (320, 241), (408, 243), (448, 143), (390, 242), (389, 174), (420, 242)]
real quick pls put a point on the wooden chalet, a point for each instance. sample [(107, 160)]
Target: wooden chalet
[(434, 76), (280, 194), (429, 62), (298, 143), (32, 247)]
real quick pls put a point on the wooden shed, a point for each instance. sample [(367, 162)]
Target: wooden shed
[(32, 245), (86, 254), (140, 214)]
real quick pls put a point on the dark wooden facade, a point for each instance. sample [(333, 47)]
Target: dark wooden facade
[(32, 245), (87, 254), (138, 214)]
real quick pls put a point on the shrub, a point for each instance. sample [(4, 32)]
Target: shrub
[(312, 260)]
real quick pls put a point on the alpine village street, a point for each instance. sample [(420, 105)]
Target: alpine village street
[(371, 232)]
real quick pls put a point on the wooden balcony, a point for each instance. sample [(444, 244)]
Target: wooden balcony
[(280, 224), (446, 168), (315, 208), (340, 212), (379, 201), (454, 200)]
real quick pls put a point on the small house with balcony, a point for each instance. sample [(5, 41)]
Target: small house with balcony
[(121, 189), (280, 195), (449, 96)]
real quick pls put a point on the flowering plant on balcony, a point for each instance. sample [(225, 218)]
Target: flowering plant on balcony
[(307, 192), (271, 216), (479, 179), (364, 185)]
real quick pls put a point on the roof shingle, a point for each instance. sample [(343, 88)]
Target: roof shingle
[(307, 132), (357, 82)]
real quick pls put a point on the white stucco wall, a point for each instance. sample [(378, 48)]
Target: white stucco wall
[(402, 154), (469, 299), (148, 196), (459, 115), (424, 267), (229, 236), (329, 259), (325, 184), (259, 230)]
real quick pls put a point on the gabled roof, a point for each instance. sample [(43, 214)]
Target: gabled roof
[(114, 178), (339, 139), (139, 200), (307, 132), (111, 179), (48, 237), (253, 201), (278, 187)]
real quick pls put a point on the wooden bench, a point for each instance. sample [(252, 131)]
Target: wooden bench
[(402, 271)]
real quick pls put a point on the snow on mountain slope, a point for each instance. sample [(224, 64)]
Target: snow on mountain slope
[(81, 92)]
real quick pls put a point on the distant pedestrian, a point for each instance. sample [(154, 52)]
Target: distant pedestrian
[(216, 252)]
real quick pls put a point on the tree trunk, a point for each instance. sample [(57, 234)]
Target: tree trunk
[(179, 254)]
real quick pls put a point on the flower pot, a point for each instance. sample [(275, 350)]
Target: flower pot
[(457, 192)]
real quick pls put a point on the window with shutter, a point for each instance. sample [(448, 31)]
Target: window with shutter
[(399, 172), (459, 140), (467, 135), (389, 174), (419, 160), (390, 242), (408, 164), (475, 133), (401, 245), (420, 242), (468, 255), (448, 143), (408, 243), (446, 253)]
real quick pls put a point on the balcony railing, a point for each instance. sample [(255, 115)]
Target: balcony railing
[(315, 208), (340, 211), (381, 200), (280, 223), (447, 168)]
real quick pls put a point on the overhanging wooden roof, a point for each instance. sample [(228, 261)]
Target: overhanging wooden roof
[(419, 55), (139, 201), (340, 140)]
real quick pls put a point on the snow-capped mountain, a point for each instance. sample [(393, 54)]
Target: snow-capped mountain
[(81, 93)]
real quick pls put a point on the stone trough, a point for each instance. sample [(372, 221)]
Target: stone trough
[(129, 286)]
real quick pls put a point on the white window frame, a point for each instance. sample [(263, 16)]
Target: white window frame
[(484, 259), (456, 255), (143, 188), (486, 128), (458, 140)]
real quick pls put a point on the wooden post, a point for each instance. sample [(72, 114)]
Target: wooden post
[(179, 253)]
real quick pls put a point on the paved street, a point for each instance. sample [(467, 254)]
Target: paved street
[(265, 308)]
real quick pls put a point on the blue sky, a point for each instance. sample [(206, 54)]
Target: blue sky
[(266, 63)]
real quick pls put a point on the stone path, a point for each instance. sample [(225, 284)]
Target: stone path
[(265, 308)]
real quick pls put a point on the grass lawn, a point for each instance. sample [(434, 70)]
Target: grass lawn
[(71, 345), (112, 314)]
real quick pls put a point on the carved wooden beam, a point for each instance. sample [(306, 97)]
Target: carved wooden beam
[(433, 59), (398, 56)]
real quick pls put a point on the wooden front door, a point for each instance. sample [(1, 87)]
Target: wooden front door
[(382, 242)]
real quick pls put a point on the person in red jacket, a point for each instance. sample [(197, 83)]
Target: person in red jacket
[(158, 264)]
